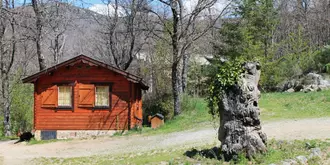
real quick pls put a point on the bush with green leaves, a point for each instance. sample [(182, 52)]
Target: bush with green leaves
[(225, 75), (22, 107), (197, 76), (322, 59), (162, 104), (327, 68), (188, 103)]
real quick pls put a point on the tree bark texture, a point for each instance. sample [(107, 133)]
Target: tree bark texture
[(176, 78), (38, 35), (185, 67), (6, 105), (176, 89), (240, 128), (7, 54)]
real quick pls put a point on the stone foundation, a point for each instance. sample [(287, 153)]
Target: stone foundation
[(70, 134)]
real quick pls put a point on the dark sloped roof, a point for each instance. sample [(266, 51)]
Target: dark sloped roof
[(160, 116), (90, 61)]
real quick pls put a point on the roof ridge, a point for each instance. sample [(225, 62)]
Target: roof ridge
[(131, 77)]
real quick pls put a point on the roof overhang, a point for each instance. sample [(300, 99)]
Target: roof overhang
[(84, 59)]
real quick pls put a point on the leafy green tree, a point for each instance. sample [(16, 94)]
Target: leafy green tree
[(298, 58), (259, 18), (249, 33), (246, 37)]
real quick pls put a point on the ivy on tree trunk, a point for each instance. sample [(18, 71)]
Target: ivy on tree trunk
[(240, 125)]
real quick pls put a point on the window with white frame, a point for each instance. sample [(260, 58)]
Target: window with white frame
[(102, 96), (65, 96)]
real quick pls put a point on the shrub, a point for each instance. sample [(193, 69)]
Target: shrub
[(327, 68), (22, 107), (1, 127), (188, 103), (162, 104), (322, 58)]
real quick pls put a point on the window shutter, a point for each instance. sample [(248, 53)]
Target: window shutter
[(49, 97), (86, 95)]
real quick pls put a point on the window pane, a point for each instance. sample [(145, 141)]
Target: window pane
[(64, 96), (102, 96)]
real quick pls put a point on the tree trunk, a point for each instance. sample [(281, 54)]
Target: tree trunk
[(185, 67), (240, 129), (179, 75), (176, 89), (57, 49), (176, 82), (6, 63), (41, 58), (5, 105)]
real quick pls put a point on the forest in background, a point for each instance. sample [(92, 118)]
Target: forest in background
[(162, 41)]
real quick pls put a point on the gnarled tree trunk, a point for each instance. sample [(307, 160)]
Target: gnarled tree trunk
[(240, 129)]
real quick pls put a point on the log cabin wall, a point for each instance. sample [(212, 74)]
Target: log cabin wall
[(125, 100), (136, 117)]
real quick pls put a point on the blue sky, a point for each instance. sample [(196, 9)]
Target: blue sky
[(88, 3), (85, 3), (99, 7)]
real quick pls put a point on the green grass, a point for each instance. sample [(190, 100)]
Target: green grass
[(169, 156), (4, 138), (277, 152), (34, 141), (278, 106), (274, 106), (194, 115), (281, 150)]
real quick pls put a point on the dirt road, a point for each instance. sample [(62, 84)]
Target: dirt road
[(287, 130)]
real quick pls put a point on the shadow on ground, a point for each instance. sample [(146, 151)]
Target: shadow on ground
[(213, 153)]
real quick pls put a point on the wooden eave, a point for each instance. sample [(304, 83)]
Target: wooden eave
[(160, 116), (87, 60)]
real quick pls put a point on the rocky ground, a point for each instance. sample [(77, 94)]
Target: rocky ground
[(11, 153)]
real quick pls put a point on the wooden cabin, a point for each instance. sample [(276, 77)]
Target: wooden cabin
[(83, 96)]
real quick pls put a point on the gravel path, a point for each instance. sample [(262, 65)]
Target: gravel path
[(287, 130)]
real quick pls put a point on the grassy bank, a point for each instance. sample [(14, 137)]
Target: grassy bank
[(4, 138), (277, 152), (194, 115), (277, 106), (274, 106)]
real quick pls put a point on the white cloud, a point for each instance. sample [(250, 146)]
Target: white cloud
[(189, 6), (107, 9)]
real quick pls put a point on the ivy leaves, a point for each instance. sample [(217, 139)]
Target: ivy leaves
[(224, 76)]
